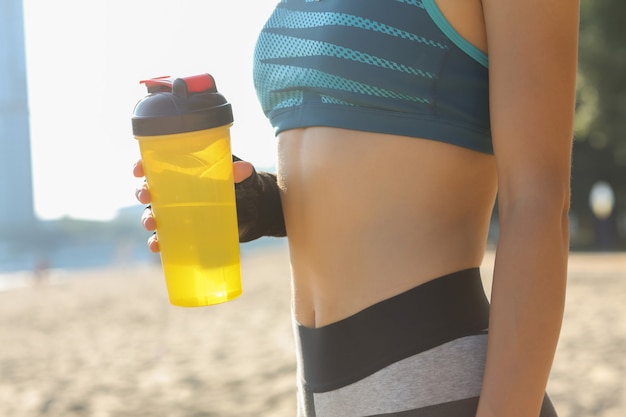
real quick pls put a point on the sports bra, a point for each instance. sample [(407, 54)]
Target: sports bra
[(385, 66)]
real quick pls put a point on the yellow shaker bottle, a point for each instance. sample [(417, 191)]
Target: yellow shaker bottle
[(182, 126)]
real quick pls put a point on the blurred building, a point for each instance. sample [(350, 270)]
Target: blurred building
[(16, 189)]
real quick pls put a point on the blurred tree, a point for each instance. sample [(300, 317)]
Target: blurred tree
[(600, 130)]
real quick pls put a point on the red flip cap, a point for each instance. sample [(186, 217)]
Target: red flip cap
[(181, 86)]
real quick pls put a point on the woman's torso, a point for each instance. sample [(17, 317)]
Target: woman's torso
[(371, 215)]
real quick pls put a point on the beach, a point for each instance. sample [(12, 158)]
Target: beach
[(106, 343)]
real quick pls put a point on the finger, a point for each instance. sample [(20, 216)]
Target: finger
[(147, 219), (143, 194), (242, 170), (153, 243), (138, 169)]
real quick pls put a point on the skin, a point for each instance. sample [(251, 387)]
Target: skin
[(370, 216)]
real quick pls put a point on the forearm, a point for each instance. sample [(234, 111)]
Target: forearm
[(526, 311)]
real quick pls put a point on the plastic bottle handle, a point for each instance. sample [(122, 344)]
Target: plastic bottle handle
[(158, 84)]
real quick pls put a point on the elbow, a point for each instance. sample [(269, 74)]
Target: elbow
[(538, 217), (547, 199)]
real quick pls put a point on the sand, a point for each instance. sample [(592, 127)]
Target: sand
[(106, 343)]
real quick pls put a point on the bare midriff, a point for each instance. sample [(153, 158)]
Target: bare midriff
[(370, 216)]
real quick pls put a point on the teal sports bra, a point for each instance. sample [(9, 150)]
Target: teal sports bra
[(385, 66)]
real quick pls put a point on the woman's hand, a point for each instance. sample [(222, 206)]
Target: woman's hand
[(241, 171)]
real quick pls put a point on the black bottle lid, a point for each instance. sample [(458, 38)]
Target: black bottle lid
[(180, 105)]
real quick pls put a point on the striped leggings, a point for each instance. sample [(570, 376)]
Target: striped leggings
[(418, 354)]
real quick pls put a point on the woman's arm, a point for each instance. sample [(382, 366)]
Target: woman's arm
[(532, 64)]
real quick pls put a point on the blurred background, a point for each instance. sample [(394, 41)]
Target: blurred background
[(69, 79)]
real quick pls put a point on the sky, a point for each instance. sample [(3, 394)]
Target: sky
[(84, 63)]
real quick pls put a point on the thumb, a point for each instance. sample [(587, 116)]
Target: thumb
[(242, 170)]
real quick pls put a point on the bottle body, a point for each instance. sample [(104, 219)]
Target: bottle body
[(191, 183)]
